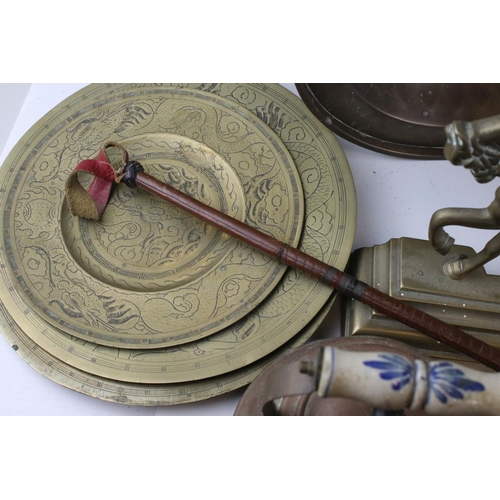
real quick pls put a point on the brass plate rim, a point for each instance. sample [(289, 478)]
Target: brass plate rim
[(167, 394)]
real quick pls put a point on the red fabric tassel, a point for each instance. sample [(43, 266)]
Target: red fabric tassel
[(91, 204)]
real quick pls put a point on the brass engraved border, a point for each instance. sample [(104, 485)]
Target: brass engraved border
[(328, 234)]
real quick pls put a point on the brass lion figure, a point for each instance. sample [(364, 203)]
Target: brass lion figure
[(476, 146)]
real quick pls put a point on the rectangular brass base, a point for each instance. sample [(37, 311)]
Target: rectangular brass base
[(412, 271)]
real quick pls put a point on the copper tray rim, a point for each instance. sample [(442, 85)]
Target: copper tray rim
[(372, 143)]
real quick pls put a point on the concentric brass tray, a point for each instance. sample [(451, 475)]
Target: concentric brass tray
[(283, 318), (146, 265)]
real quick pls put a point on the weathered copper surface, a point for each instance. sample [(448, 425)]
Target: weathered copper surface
[(261, 389), (401, 119)]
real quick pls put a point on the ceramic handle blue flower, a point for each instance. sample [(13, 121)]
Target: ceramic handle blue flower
[(392, 382)]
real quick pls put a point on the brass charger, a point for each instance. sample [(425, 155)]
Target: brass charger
[(293, 304), (119, 281)]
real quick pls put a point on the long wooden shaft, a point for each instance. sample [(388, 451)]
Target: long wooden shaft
[(330, 276)]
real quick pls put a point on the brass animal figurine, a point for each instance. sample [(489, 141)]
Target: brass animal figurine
[(476, 146)]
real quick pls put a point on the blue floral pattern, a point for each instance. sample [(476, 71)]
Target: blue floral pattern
[(447, 381), (393, 367)]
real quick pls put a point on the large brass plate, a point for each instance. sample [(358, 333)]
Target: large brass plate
[(330, 215), (147, 274)]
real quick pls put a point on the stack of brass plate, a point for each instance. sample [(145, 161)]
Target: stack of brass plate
[(150, 306)]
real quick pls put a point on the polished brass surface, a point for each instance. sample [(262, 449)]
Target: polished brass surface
[(119, 281), (476, 146), (446, 280), (292, 305), (482, 218), (413, 271), (131, 393)]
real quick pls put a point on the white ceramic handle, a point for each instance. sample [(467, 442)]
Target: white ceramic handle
[(393, 382)]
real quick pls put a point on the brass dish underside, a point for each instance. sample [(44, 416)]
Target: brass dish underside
[(289, 315)]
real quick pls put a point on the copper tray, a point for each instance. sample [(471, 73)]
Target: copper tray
[(400, 119), (254, 398)]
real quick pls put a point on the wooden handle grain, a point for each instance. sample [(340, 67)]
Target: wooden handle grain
[(329, 275)]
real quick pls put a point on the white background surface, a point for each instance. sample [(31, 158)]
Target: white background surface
[(395, 198), (251, 458)]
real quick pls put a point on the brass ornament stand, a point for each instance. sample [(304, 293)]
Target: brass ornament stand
[(437, 276)]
